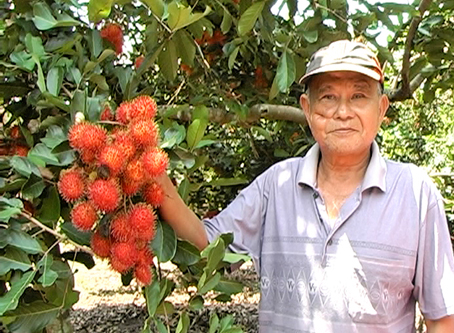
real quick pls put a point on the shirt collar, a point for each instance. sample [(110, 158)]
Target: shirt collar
[(375, 174)]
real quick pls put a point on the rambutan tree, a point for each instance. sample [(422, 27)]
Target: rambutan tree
[(100, 97)]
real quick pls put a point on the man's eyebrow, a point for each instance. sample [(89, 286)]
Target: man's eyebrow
[(361, 84)]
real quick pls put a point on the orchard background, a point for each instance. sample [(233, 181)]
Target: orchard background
[(224, 75)]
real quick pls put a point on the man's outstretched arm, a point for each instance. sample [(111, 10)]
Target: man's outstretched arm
[(178, 215), (442, 325)]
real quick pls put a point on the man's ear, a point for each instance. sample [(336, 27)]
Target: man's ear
[(384, 105), (305, 105)]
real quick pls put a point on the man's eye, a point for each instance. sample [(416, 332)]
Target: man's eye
[(356, 96), (328, 97)]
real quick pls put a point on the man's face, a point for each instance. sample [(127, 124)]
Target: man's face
[(344, 111)]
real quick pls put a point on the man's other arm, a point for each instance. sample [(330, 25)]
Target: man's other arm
[(178, 215), (442, 325)]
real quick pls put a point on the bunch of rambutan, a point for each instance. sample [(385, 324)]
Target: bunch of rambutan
[(118, 160)]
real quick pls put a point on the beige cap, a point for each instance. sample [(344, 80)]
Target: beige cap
[(344, 55)]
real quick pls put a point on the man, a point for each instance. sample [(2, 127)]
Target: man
[(343, 240)]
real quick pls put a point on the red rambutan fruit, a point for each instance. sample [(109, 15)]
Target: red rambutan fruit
[(143, 274), (19, 150), (113, 158), (120, 229), (126, 253), (100, 245), (122, 113), (153, 194), (129, 187), (88, 156), (85, 136), (139, 61), (155, 162), (134, 171), (143, 107), (142, 221), (71, 184), (104, 194), (106, 114), (125, 144), (118, 266), (113, 33), (145, 257), (84, 216), (144, 132)]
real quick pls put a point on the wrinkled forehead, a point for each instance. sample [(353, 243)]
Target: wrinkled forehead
[(341, 79)]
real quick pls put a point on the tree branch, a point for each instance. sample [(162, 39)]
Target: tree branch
[(60, 237), (405, 87), (267, 111)]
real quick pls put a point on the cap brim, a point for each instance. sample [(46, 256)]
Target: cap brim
[(343, 68)]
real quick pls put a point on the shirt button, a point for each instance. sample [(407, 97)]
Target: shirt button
[(330, 242)]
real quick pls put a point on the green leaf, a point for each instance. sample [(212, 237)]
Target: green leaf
[(9, 208), (196, 132), (286, 71), (183, 323), (196, 303), (186, 254), (50, 209), (227, 182), (152, 297), (210, 284), (41, 83), (173, 136), (187, 48), (311, 36), (226, 322), (156, 6), (183, 189), (168, 61), (10, 300), (23, 166), (24, 242), (229, 287), (274, 91), (226, 23), (214, 322), (100, 81), (98, 10), (164, 244), (33, 188), (265, 133), (14, 185), (44, 20), (54, 136), (14, 259), (48, 276), (165, 309), (23, 59), (54, 80), (249, 17), (232, 57), (233, 258), (80, 237), (42, 155), (33, 317), (34, 46), (181, 16)]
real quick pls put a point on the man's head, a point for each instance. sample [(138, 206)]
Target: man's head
[(344, 104)]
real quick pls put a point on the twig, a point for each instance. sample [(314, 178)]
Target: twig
[(162, 23), (405, 89), (54, 233), (177, 91)]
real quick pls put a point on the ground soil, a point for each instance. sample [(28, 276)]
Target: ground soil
[(106, 306)]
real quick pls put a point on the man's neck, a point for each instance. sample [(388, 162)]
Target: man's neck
[(340, 169)]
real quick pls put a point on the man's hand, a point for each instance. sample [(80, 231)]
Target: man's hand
[(442, 325)]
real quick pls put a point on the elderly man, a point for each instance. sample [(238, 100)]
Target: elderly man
[(344, 240)]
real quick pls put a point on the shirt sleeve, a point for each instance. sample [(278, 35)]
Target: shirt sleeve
[(244, 218), (434, 278)]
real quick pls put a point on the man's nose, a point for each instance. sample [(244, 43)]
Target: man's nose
[(343, 111)]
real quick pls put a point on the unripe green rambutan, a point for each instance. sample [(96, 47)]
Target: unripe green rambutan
[(143, 107), (144, 132), (153, 194), (155, 162), (120, 229), (104, 194), (113, 158), (143, 274), (84, 216), (71, 184), (126, 253), (86, 136), (100, 245)]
